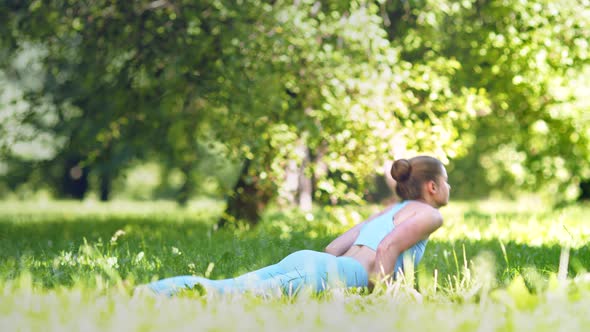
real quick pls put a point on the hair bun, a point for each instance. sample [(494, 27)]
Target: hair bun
[(401, 170)]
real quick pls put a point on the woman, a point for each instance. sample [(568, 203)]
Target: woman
[(369, 252)]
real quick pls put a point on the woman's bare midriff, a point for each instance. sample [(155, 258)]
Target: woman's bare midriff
[(363, 254)]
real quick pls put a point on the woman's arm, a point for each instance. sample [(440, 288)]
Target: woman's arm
[(341, 244), (403, 236)]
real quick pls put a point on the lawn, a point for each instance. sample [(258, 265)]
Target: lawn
[(500, 266)]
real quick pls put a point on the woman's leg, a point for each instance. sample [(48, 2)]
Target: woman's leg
[(301, 269), (283, 275), (318, 271), (352, 273), (173, 285)]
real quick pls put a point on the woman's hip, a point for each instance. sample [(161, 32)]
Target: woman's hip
[(344, 269)]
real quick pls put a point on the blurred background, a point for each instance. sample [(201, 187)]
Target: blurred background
[(294, 103)]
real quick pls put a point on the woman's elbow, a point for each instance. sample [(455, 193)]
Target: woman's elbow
[(386, 249), (381, 250), (331, 250)]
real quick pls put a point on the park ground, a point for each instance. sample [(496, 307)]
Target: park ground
[(494, 266)]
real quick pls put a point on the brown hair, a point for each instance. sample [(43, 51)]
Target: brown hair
[(411, 174)]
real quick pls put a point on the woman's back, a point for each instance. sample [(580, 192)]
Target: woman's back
[(371, 234)]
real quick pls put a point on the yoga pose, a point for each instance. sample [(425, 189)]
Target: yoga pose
[(369, 252)]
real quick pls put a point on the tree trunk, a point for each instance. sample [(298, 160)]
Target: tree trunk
[(298, 187), (247, 200), (321, 168), (106, 173), (74, 179), (383, 192), (385, 186), (291, 185), (305, 191), (105, 186), (584, 190), (187, 187)]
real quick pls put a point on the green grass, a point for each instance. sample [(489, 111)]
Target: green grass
[(493, 266)]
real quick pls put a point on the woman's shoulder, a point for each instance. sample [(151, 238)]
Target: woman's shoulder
[(426, 210)]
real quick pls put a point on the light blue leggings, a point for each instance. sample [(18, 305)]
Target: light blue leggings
[(299, 270)]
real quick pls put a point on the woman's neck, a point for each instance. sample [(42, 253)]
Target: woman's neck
[(427, 201)]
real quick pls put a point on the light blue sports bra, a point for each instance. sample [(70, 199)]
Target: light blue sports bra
[(373, 232)]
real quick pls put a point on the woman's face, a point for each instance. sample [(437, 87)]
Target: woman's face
[(443, 189)]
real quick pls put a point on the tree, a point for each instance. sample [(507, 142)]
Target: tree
[(326, 90), (130, 72), (337, 86), (530, 58)]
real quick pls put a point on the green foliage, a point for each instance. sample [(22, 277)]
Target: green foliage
[(527, 56), (495, 87), (343, 92)]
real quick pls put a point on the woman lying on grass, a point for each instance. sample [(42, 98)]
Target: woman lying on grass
[(369, 252)]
